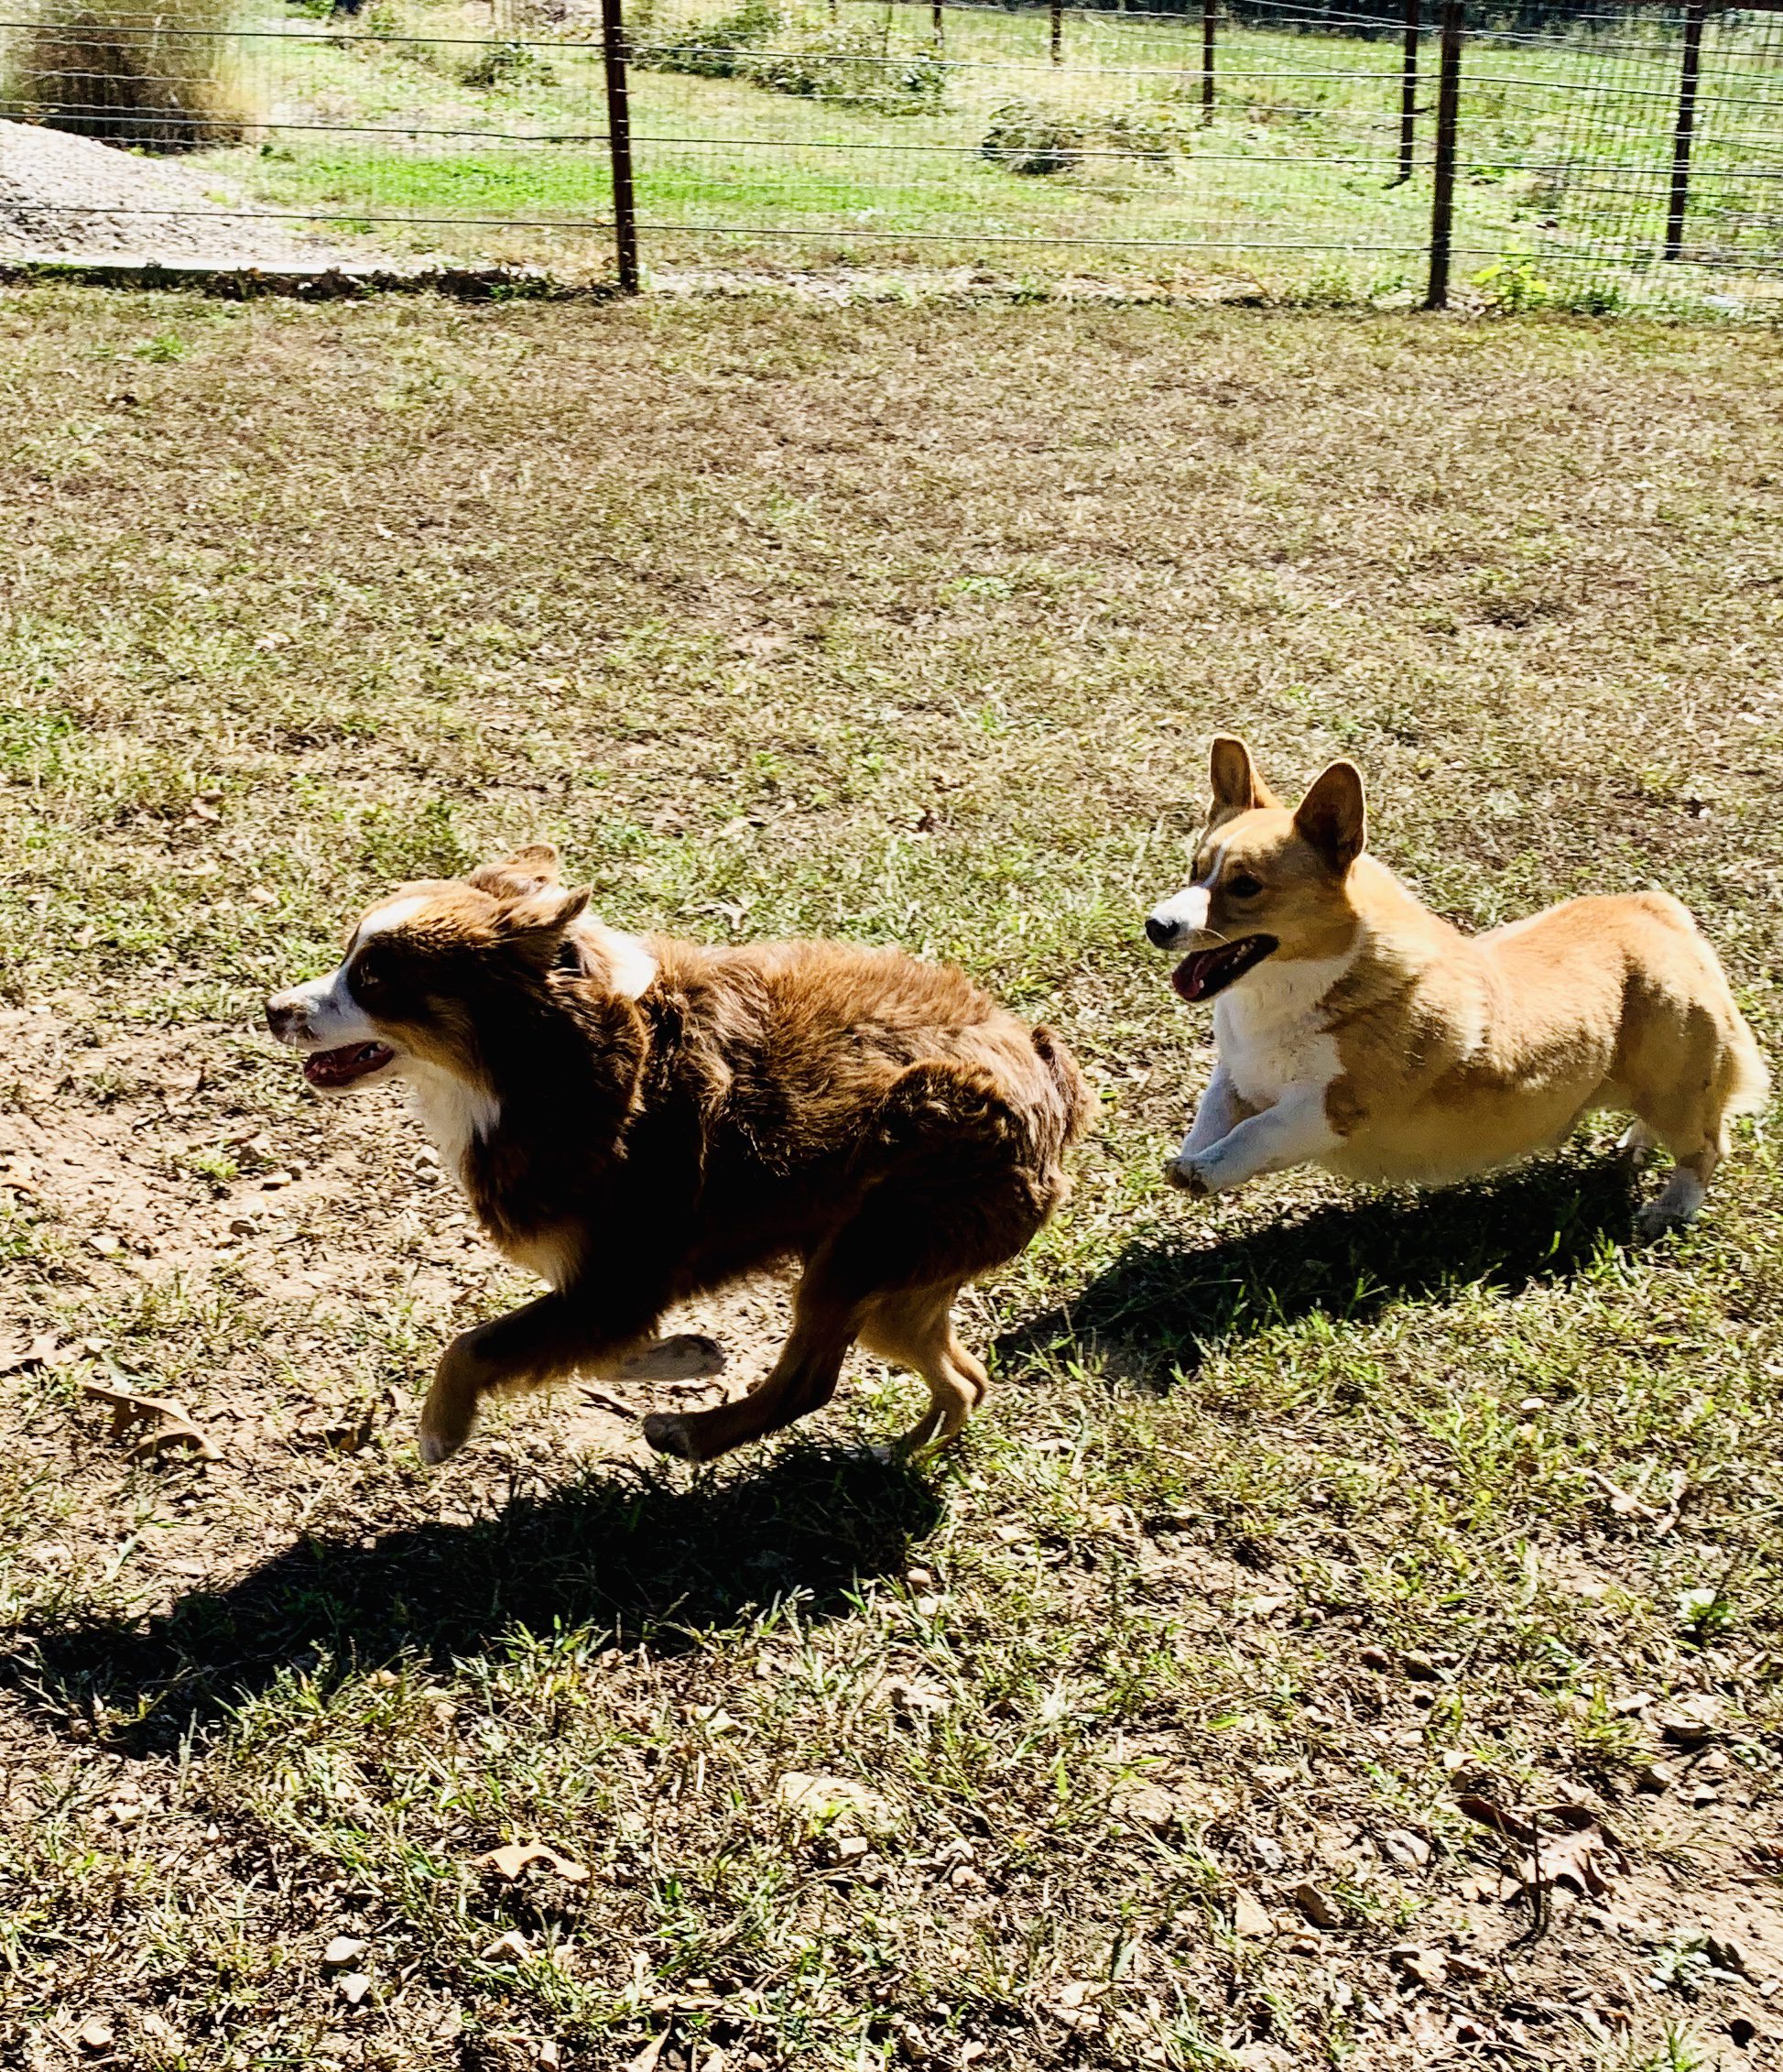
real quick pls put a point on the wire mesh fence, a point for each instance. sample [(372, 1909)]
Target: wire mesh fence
[(1542, 150)]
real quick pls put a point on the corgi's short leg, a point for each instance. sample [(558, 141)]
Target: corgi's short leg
[(1636, 1144), (1682, 1196), (1295, 1131), (1218, 1113)]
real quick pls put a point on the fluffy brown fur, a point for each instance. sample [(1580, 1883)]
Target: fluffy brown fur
[(642, 1121)]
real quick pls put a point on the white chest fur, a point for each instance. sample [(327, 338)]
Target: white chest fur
[(452, 1113), (1271, 1027)]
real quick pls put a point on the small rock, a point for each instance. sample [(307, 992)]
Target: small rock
[(510, 1948), (1655, 1777), (352, 1987), (1251, 1919), (1468, 1967), (1377, 1658), (95, 2034), (1315, 1906), (1420, 1668), (341, 1951)]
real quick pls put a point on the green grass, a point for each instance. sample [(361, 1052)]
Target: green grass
[(1292, 189), (906, 624)]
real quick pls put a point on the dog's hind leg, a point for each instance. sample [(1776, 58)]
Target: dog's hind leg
[(802, 1380), (915, 1329)]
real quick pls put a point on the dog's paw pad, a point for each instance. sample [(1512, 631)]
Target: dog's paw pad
[(668, 1435), (435, 1447)]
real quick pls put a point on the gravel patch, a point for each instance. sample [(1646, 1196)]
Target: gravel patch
[(66, 197)]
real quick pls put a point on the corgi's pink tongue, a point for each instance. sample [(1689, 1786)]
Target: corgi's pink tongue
[(1190, 978), (342, 1067)]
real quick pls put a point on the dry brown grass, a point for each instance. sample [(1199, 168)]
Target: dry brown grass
[(903, 623), (148, 79)]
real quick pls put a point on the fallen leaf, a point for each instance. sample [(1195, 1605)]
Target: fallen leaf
[(646, 2060), (1428, 1967), (821, 1798), (1409, 1851), (510, 1948), (16, 1357), (169, 1423), (1315, 1906), (95, 2034), (517, 1856), (1571, 1845)]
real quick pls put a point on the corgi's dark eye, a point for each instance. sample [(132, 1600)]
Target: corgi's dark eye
[(1243, 887)]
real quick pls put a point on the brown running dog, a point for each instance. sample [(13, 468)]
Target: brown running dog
[(638, 1120)]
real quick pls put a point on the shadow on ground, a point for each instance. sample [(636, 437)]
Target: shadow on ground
[(632, 1552), (1159, 1308)]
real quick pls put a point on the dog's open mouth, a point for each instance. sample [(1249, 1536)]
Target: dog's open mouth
[(1208, 972), (342, 1067)]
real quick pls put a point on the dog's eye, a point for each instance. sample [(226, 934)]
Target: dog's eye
[(1243, 887)]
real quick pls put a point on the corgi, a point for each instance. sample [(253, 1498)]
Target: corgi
[(639, 1120), (1358, 1031)]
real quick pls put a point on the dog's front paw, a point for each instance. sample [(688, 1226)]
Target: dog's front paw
[(1190, 1176), (451, 1408), (667, 1433)]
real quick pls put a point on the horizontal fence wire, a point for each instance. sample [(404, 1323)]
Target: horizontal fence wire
[(1599, 155)]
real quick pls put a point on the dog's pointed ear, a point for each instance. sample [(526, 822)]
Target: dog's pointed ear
[(1333, 816), (535, 865), (539, 916), (1237, 788)]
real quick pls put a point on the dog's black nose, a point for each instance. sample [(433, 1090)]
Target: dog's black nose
[(1158, 933), (279, 1018)]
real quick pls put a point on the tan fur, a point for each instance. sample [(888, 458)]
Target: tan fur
[(880, 1120), (1381, 1042)]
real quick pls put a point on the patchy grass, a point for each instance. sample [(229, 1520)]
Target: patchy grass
[(1294, 1522)]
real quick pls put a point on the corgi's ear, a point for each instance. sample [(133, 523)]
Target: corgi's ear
[(1333, 816), (515, 876), (1237, 789)]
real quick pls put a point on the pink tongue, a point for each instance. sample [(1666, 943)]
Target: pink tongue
[(1188, 976), (342, 1067)]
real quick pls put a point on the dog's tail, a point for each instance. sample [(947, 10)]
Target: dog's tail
[(1072, 1088)]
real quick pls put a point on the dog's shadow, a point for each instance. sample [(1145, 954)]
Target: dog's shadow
[(1160, 1307), (629, 1551)]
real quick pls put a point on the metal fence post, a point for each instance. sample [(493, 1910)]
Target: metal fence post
[(939, 25), (1208, 8), (1408, 91), (619, 144), (1058, 32), (1442, 194), (1685, 131)]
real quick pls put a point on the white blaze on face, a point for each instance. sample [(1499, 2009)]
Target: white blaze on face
[(382, 919), (330, 1017), (1187, 913)]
